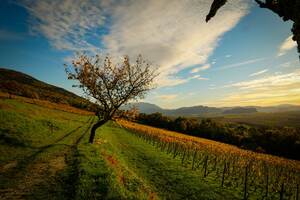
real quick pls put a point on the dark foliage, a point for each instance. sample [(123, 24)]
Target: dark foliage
[(283, 141), (286, 9)]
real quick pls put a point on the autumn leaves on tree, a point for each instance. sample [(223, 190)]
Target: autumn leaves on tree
[(110, 84)]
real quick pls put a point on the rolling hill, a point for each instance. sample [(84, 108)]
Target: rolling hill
[(240, 110), (45, 154), (46, 151), (206, 111), (18, 83), (149, 108), (144, 107)]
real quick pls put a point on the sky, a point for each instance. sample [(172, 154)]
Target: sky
[(244, 56)]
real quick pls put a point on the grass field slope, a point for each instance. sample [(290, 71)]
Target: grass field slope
[(20, 84), (45, 154), (38, 147)]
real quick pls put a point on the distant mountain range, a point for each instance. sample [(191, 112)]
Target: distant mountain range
[(21, 84), (149, 108)]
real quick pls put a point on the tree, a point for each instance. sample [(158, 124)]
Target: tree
[(286, 9), (110, 85)]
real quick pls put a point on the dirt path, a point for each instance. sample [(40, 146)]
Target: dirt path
[(49, 173)]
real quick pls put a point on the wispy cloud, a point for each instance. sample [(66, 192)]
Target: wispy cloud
[(287, 45), (198, 69), (171, 34), (285, 64), (292, 63), (203, 78), (67, 24), (259, 72), (234, 65), (274, 81), (270, 90), (198, 77), (168, 96)]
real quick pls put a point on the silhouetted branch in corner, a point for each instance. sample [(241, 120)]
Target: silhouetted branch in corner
[(286, 9)]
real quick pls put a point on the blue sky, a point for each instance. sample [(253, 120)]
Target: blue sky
[(243, 56)]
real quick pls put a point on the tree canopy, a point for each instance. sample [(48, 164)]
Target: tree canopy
[(111, 84), (286, 9)]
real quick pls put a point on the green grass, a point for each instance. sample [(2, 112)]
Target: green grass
[(137, 170), (40, 162), (26, 127), (37, 148)]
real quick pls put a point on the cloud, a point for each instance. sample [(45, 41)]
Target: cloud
[(173, 81), (168, 96), (9, 35), (259, 72), (198, 77), (228, 56), (273, 81), (197, 69), (285, 64), (289, 63), (266, 98), (274, 89), (173, 34), (67, 24), (203, 78), (234, 65), (192, 93), (287, 45)]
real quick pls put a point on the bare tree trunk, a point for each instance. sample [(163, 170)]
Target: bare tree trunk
[(94, 128)]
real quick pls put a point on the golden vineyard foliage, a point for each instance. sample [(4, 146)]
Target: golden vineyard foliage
[(254, 173), (213, 146)]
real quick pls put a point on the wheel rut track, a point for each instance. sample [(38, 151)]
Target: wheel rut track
[(73, 167), (70, 151), (27, 160)]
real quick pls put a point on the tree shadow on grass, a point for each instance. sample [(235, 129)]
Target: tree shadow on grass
[(12, 175), (8, 137)]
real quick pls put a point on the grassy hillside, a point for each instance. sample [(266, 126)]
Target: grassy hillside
[(37, 147), (18, 83), (45, 152)]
